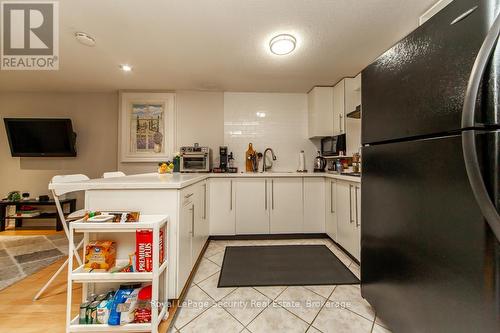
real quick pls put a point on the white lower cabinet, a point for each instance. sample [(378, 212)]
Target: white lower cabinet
[(349, 217), (286, 205), (185, 253), (252, 206), (246, 206), (357, 225), (314, 205), (331, 208), (222, 212), (200, 229), (193, 228)]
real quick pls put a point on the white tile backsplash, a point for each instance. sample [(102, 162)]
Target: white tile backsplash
[(275, 120)]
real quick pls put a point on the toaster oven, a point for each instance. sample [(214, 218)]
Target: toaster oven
[(195, 159)]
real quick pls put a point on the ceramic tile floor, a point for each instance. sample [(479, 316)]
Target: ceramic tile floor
[(338, 309)]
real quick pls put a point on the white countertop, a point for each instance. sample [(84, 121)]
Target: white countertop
[(278, 174), (177, 180)]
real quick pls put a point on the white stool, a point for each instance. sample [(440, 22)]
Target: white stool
[(67, 179)]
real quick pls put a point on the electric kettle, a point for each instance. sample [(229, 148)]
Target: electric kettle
[(319, 163)]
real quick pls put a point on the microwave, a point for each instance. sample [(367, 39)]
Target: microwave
[(333, 145)]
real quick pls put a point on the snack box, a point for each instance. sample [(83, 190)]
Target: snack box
[(100, 255), (144, 250)]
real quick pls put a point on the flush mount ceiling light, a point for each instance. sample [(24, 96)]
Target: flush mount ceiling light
[(260, 114), (282, 44), (85, 39), (126, 68)]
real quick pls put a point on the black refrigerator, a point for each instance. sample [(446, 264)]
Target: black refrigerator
[(430, 251)]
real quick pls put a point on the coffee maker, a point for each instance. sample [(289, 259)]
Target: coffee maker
[(223, 165)]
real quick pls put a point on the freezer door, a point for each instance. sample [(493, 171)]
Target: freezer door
[(417, 87), (430, 262)]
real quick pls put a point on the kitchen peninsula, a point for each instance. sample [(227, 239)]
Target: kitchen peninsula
[(203, 205)]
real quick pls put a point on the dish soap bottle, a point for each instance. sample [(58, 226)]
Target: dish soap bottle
[(249, 156)]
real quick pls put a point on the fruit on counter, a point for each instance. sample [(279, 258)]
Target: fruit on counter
[(165, 167)]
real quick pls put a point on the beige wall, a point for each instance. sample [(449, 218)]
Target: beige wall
[(200, 118), (95, 120)]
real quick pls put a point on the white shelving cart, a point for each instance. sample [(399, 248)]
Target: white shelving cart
[(99, 282)]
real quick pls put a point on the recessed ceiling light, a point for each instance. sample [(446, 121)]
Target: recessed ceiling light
[(85, 38), (260, 114), (282, 44), (126, 68)]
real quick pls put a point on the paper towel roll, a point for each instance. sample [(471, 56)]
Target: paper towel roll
[(302, 161)]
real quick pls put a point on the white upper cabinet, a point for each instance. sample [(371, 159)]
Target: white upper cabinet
[(286, 205), (352, 93), (339, 108), (353, 125), (252, 206), (320, 112), (222, 206)]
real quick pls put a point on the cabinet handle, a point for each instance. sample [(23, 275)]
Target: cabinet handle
[(331, 197), (265, 193), (192, 220), (356, 204), (231, 196), (205, 202), (188, 195), (272, 194), (350, 203)]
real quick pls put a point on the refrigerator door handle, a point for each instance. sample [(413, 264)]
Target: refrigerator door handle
[(464, 15), (476, 181), (469, 137), (476, 76)]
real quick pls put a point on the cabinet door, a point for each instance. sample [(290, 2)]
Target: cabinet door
[(352, 125), (344, 215), (339, 108), (331, 208), (200, 224), (314, 205), (352, 93), (286, 205), (222, 208), (357, 222), (185, 260), (252, 206), (205, 216), (320, 112)]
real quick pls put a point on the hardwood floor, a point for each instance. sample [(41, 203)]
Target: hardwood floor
[(20, 314), (29, 232)]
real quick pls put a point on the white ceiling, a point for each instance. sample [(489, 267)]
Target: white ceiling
[(218, 44)]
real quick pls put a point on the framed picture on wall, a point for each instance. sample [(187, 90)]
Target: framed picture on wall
[(146, 126)]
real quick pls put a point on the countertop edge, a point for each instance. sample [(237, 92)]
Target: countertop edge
[(162, 183)]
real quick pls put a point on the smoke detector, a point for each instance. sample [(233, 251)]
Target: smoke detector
[(85, 39)]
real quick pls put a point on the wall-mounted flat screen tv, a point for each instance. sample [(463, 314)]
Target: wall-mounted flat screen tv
[(40, 137)]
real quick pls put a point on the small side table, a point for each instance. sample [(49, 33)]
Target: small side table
[(19, 220)]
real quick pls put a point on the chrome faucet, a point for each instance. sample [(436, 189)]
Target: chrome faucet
[(264, 166)]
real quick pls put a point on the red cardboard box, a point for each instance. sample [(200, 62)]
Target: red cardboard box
[(144, 250)]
